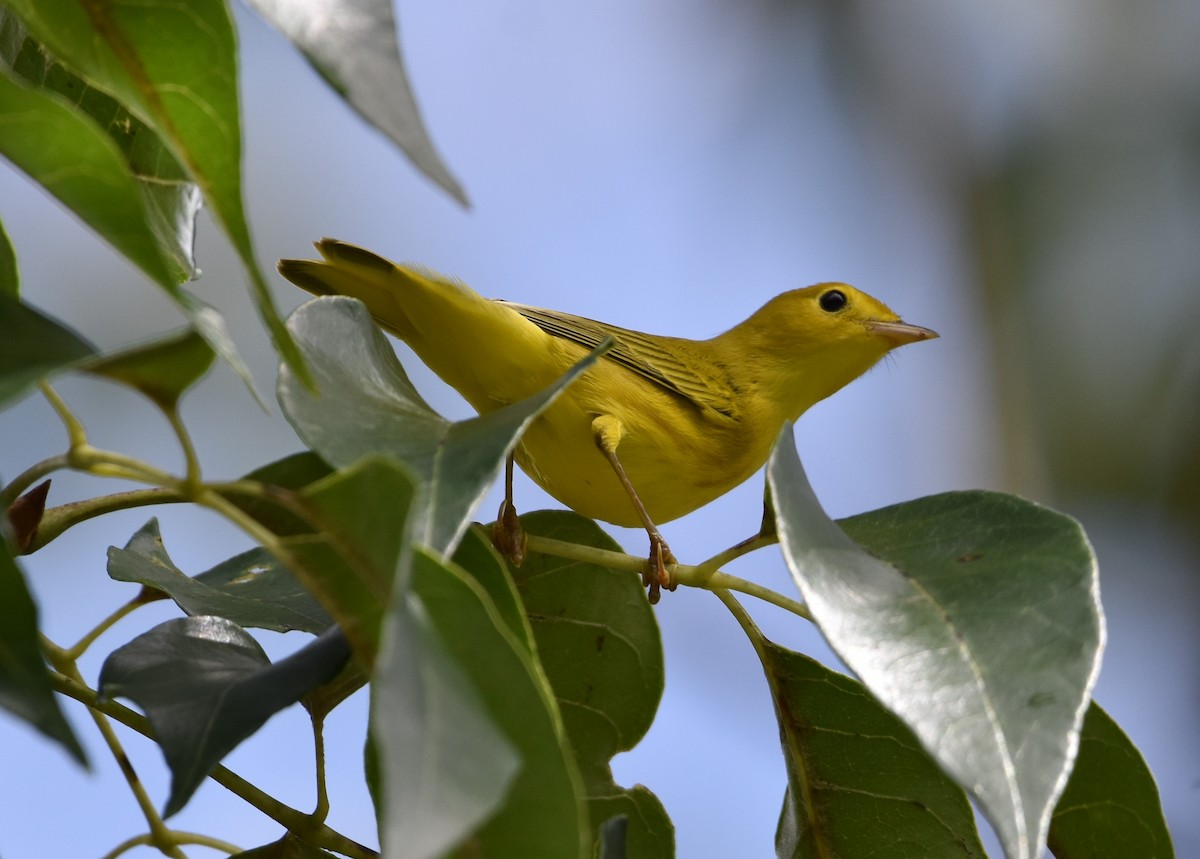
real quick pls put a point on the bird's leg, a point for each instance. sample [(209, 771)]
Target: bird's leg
[(608, 432), (507, 534)]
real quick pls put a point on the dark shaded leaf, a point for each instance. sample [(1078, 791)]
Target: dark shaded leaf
[(25, 514), (205, 685), (252, 589), (599, 645), (612, 837), (161, 370), (24, 683), (365, 404), (352, 44), (1110, 808), (288, 847), (33, 346), (859, 783), (290, 473), (974, 616), (10, 278)]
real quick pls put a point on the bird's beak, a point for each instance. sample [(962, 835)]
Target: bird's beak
[(900, 333)]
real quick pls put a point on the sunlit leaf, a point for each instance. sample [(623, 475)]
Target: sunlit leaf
[(101, 162), (352, 44), (599, 645), (365, 404), (974, 616), (24, 684), (252, 589), (205, 685), (1110, 808), (859, 783), (173, 66), (33, 346)]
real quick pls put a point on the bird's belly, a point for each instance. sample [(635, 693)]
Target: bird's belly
[(674, 466)]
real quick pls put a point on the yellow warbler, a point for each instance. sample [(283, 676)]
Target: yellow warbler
[(657, 427)]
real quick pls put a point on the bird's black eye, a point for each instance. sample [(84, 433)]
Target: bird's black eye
[(832, 301)]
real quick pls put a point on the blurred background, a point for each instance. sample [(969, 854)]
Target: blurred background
[(1022, 177)]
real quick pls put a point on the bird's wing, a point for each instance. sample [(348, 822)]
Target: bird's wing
[(643, 354)]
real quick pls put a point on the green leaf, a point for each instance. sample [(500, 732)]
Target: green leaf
[(352, 44), (360, 552), (252, 589), (477, 557), (295, 471), (542, 813), (288, 847), (600, 647), (173, 66), (10, 279), (974, 616), (25, 689), (1110, 808), (33, 346), (161, 370), (101, 162), (365, 404), (859, 783), (205, 685)]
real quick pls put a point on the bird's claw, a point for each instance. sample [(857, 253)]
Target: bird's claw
[(507, 534), (655, 576)]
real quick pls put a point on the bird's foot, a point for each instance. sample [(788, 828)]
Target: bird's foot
[(507, 534), (655, 576)]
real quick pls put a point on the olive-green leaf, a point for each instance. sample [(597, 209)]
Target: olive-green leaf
[(1110, 808), (33, 346), (10, 279), (974, 616), (173, 66), (252, 589), (358, 553), (542, 813), (161, 370), (599, 645), (352, 44), (101, 162), (24, 683), (477, 557), (859, 783), (273, 509), (288, 847), (365, 404), (205, 685)]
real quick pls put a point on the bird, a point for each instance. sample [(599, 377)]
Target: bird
[(658, 426)]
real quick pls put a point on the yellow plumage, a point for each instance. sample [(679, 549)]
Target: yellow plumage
[(688, 420)]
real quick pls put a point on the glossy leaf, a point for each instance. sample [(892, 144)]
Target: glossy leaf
[(173, 66), (33, 346), (365, 404), (161, 370), (102, 163), (359, 552), (10, 279), (859, 783), (252, 589), (542, 813), (352, 44), (599, 645), (974, 616), (24, 683), (1110, 808), (205, 685)]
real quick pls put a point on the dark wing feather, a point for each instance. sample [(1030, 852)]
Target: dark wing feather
[(647, 356)]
